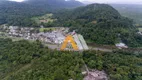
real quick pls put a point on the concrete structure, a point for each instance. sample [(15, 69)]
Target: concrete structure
[(56, 36), (83, 42), (78, 42), (121, 45), (140, 33), (96, 75)]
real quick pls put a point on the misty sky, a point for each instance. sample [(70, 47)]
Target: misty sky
[(106, 1), (17, 0), (115, 1)]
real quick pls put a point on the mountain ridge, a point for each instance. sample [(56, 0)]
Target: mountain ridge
[(11, 11), (102, 24), (132, 11)]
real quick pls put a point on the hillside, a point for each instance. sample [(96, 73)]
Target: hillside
[(18, 13), (132, 11), (52, 5), (15, 13), (100, 23), (23, 60)]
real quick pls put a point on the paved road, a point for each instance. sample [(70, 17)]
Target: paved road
[(100, 49), (54, 46)]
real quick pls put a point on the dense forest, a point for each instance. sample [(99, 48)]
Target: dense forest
[(119, 65), (52, 5), (23, 60), (14, 13), (100, 23)]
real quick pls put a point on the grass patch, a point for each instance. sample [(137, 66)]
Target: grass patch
[(140, 29), (46, 29), (13, 38), (47, 18)]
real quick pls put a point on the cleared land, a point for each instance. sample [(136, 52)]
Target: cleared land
[(140, 29), (47, 29), (44, 19)]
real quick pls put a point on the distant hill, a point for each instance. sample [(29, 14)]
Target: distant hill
[(15, 13), (91, 12), (54, 4), (133, 11), (100, 23)]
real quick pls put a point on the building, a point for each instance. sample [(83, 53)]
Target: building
[(121, 45)]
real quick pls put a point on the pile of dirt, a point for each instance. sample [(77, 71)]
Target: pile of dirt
[(96, 75)]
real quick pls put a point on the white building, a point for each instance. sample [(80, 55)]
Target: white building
[(140, 33), (121, 45)]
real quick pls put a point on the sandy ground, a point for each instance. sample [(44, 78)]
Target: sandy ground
[(96, 75)]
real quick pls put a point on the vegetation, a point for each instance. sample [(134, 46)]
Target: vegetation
[(44, 19), (20, 14), (14, 13), (140, 29), (119, 65), (101, 24), (132, 11), (31, 61), (52, 5), (23, 60), (46, 29)]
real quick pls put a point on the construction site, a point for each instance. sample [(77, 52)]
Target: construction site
[(56, 38), (74, 42), (66, 41)]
